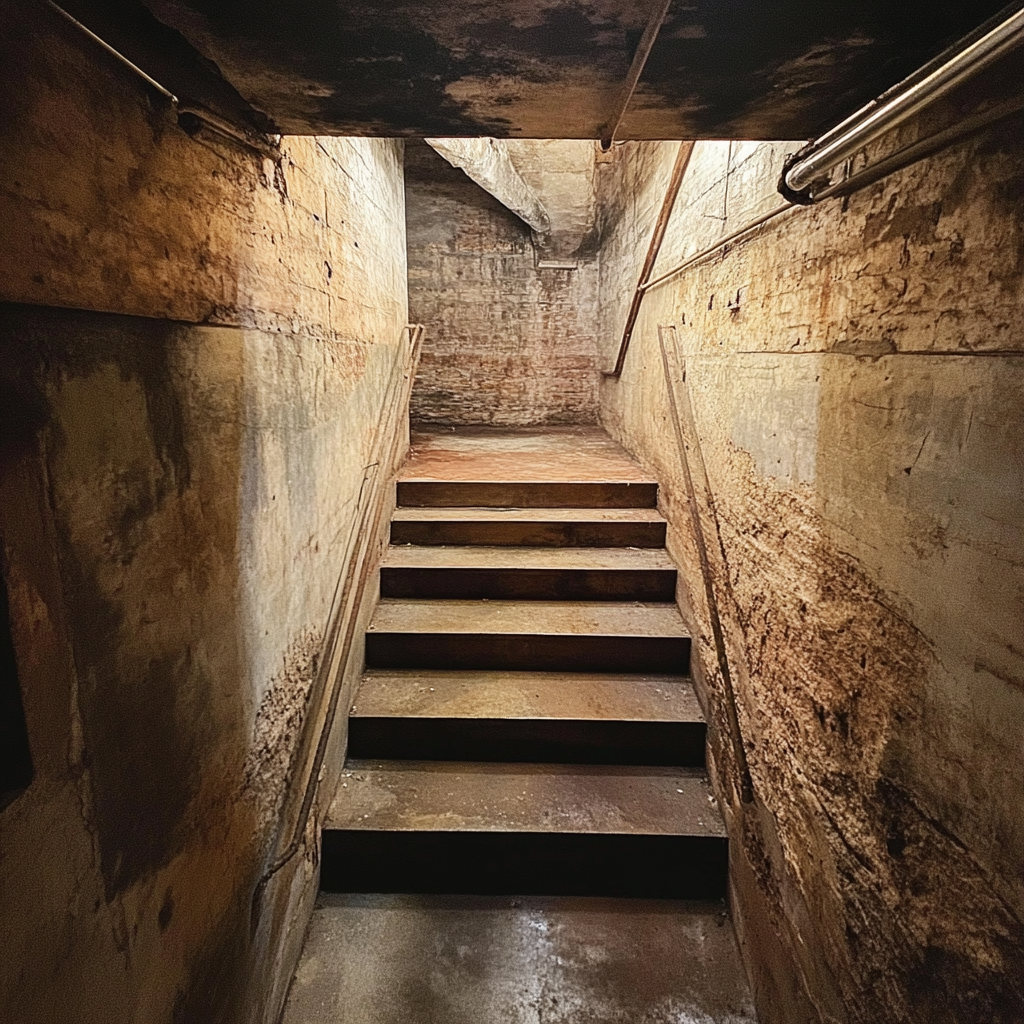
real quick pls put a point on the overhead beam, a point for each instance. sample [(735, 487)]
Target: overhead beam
[(487, 162)]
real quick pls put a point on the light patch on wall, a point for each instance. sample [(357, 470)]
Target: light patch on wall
[(777, 421)]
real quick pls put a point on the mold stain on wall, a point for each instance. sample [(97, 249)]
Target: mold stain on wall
[(195, 346)]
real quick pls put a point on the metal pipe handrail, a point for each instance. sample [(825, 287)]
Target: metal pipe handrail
[(188, 114), (905, 100), (861, 179), (116, 54), (712, 249), (345, 605), (682, 161), (681, 408)]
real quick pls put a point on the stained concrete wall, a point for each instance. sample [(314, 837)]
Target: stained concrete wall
[(195, 344), (508, 342), (855, 372)]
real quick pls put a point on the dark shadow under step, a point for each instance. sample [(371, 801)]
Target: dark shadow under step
[(517, 527), (599, 636), (544, 574), (526, 494), (534, 863)]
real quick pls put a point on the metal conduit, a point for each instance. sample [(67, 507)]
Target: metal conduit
[(811, 166), (636, 69), (191, 118)]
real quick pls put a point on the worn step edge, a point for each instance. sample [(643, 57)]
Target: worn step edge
[(437, 796), (482, 556), (471, 513), (528, 618), (527, 695)]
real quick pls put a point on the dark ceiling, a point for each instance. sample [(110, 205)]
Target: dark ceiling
[(751, 69)]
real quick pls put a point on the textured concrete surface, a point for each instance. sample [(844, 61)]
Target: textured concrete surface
[(531, 618), (473, 960), (441, 694), (194, 348), (487, 797), (487, 162), (553, 454), (855, 373)]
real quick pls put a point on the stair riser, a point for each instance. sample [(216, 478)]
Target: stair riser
[(487, 494), (524, 863), (542, 741), (537, 535), (554, 653), (531, 584)]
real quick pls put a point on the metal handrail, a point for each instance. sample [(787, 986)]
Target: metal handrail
[(682, 161), (345, 604), (682, 409), (896, 106)]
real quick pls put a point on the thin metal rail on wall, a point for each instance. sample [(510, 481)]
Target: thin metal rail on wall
[(806, 174)]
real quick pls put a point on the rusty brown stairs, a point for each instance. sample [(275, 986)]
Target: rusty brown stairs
[(526, 722), (523, 832)]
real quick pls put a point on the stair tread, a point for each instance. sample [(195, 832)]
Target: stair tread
[(524, 455), (536, 618), (411, 556), (501, 960), (528, 515), (526, 695), (461, 796)]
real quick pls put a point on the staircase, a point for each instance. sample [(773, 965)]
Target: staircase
[(526, 724)]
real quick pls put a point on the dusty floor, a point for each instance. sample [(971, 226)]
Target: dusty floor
[(499, 960), (543, 453)]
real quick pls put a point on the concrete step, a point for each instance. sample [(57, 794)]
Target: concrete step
[(429, 826), (527, 716), (527, 493), (551, 574), (384, 959), (535, 527), (556, 636)]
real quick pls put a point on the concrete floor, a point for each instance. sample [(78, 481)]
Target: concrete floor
[(500, 960), (541, 453)]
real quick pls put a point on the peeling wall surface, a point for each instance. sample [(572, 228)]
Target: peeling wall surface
[(195, 345), (855, 373), (508, 342)]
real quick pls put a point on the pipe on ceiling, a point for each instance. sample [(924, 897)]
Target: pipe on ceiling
[(809, 169), (636, 69)]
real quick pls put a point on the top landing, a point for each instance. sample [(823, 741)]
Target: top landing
[(531, 454)]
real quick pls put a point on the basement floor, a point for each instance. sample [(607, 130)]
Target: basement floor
[(530, 960), (523, 454)]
